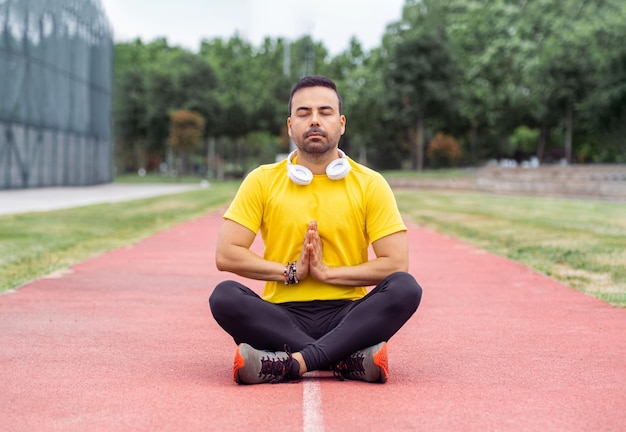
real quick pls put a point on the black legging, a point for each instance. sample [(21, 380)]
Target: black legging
[(324, 332)]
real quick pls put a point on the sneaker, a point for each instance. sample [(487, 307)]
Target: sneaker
[(369, 364), (253, 366)]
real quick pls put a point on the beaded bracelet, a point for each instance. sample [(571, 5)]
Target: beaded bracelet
[(290, 273)]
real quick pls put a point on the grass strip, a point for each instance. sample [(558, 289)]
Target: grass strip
[(36, 244), (579, 242)]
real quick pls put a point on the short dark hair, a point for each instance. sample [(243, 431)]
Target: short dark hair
[(315, 81)]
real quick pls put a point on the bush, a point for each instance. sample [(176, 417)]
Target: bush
[(443, 151), (186, 130)]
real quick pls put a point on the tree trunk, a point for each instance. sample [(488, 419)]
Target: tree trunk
[(139, 153), (541, 145), (184, 162), (419, 143), (362, 153), (569, 126), (473, 140), (211, 161)]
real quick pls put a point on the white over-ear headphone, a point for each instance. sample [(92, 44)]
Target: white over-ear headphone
[(337, 169)]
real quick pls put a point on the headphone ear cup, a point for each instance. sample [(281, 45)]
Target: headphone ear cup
[(338, 169), (299, 175)]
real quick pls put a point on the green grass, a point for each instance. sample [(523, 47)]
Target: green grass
[(36, 244), (155, 178), (579, 242)]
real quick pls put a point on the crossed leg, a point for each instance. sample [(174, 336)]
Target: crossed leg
[(359, 324)]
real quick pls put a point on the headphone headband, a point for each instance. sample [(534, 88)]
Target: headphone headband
[(336, 169)]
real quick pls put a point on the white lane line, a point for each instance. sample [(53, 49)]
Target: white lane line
[(312, 416)]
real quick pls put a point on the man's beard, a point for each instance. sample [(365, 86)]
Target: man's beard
[(318, 145)]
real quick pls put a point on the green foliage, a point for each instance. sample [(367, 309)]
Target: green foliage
[(472, 69), (262, 147), (524, 138), (150, 81), (419, 70)]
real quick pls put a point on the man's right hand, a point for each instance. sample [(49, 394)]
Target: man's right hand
[(311, 238)]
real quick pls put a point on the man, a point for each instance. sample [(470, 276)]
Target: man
[(317, 212)]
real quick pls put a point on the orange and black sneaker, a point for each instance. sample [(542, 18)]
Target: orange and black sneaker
[(369, 364), (253, 366)]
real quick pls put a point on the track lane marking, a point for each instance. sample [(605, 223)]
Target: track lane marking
[(312, 415)]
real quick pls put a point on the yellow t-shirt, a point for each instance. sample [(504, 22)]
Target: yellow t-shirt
[(351, 213)]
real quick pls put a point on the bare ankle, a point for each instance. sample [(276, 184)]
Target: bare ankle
[(298, 357)]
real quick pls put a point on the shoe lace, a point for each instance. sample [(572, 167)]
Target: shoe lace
[(276, 369), (351, 365)]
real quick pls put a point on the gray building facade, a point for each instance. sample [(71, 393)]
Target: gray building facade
[(56, 74)]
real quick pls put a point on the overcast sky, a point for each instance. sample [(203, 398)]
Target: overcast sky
[(187, 22)]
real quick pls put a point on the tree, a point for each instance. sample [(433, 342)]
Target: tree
[(252, 91), (150, 81), (604, 109), (443, 150), (565, 73), (129, 105), (420, 68), (490, 59), (475, 69), (185, 134)]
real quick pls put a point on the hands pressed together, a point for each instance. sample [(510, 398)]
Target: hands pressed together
[(311, 257)]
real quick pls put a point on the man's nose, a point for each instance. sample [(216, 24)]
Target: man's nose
[(315, 121)]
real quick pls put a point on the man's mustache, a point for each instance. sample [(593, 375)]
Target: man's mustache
[(314, 130)]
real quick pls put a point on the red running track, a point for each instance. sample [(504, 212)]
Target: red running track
[(125, 341)]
